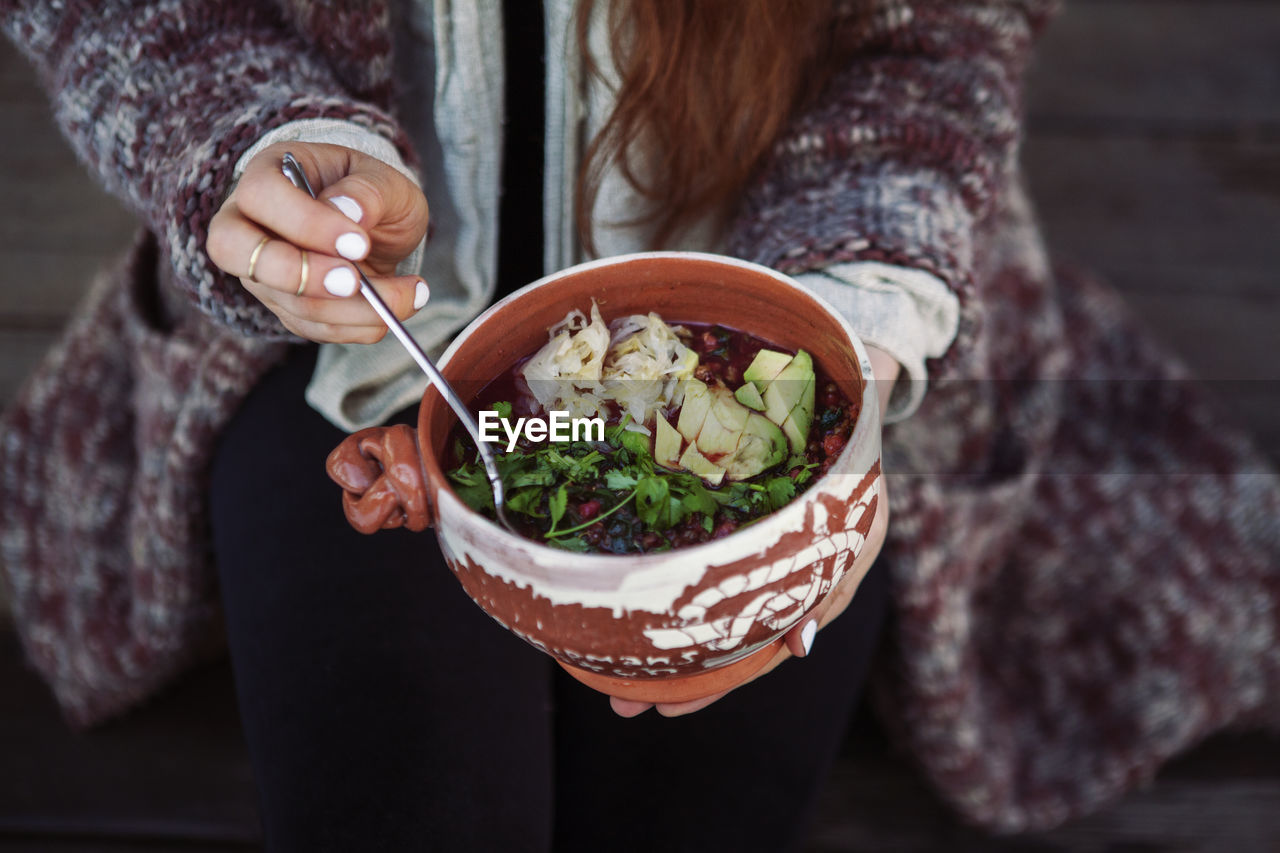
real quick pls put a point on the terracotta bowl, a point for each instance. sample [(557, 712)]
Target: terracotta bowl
[(670, 626)]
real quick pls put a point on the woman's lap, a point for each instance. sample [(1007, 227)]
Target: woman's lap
[(384, 709), (376, 697)]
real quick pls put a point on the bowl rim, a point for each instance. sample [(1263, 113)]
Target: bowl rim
[(783, 519)]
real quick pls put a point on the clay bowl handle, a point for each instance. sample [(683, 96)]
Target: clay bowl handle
[(380, 472)]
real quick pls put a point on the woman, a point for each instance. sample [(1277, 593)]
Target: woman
[(1015, 673)]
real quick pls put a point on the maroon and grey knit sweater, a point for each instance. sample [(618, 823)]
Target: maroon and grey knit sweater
[(1086, 561)]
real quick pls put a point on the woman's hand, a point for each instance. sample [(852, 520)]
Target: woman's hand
[(800, 638), (294, 253)]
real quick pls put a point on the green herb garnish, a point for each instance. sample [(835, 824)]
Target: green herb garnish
[(549, 484)]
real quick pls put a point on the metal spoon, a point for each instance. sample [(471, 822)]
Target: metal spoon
[(297, 175)]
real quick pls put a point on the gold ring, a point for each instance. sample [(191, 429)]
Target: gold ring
[(253, 258), (302, 280)]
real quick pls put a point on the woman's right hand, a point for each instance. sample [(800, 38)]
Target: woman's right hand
[(366, 211)]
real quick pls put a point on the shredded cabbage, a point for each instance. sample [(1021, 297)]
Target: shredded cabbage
[(637, 365)]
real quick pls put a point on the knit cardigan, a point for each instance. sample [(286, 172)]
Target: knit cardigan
[(1085, 559)]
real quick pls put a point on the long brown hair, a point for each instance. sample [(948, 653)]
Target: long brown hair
[(706, 87)]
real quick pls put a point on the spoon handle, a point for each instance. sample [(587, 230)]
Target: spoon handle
[(297, 175)]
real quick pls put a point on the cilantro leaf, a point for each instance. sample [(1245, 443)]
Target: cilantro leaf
[(570, 543), (478, 497), (527, 475), (619, 480), (467, 474), (525, 501), (557, 503), (735, 496), (636, 443), (575, 469), (472, 486), (694, 496), (780, 490), (806, 469), (656, 506)]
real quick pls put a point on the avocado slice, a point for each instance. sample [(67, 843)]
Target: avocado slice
[(764, 367), (666, 443), (727, 410), (762, 446), (693, 411), (725, 438), (688, 364), (724, 424), (798, 420), (749, 396), (786, 389), (696, 463), (790, 397)]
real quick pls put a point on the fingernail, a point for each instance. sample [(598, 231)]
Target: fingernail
[(349, 206), (352, 246), (340, 281), (807, 634), (421, 293)]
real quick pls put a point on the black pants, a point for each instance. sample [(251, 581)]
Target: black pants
[(385, 711)]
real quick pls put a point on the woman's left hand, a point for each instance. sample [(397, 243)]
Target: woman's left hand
[(797, 644)]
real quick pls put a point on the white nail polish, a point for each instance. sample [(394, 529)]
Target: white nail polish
[(352, 246), (420, 295), (807, 634), (349, 206), (340, 281)]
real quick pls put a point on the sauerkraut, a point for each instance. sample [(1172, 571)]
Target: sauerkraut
[(636, 363)]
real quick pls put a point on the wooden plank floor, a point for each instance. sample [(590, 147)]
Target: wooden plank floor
[(1154, 157), (172, 774)]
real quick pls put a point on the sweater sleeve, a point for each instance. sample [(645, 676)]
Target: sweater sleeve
[(906, 153), (909, 314), (160, 99)]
